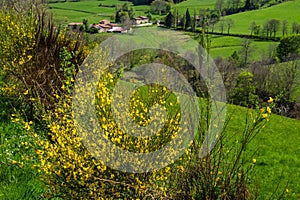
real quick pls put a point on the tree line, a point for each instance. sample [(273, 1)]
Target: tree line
[(270, 28), (148, 2)]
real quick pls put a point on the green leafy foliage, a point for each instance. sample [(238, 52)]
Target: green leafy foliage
[(289, 48), (244, 93)]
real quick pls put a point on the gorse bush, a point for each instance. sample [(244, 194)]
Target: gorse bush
[(74, 173), (30, 48)]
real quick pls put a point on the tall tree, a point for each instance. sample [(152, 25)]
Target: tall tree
[(230, 24), (284, 27), (274, 26), (245, 52), (213, 19), (160, 7), (169, 20), (219, 6), (118, 17), (222, 26), (194, 21), (85, 24), (295, 28), (252, 27), (267, 30), (131, 13), (257, 29), (188, 19)]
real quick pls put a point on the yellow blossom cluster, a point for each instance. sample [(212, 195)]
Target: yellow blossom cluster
[(17, 40), (140, 105), (8, 89), (266, 111)]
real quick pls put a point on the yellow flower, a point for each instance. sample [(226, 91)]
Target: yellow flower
[(264, 115), (253, 160), (13, 162), (270, 100), (269, 110)]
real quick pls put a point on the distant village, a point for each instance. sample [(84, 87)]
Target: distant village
[(106, 26)]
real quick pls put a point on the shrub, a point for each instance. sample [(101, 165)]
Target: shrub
[(29, 54), (73, 172), (288, 48), (244, 93)]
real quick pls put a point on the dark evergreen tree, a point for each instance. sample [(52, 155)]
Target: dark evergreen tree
[(188, 20), (118, 18), (169, 20), (85, 24), (248, 5)]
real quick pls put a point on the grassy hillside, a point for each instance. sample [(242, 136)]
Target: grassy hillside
[(66, 12), (77, 11), (285, 11), (277, 147), (194, 5), (224, 46)]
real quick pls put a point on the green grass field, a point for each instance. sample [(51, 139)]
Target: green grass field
[(224, 46), (278, 147), (285, 11), (65, 12), (194, 5)]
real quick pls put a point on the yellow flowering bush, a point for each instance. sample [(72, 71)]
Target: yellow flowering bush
[(73, 172), (30, 48), (17, 41)]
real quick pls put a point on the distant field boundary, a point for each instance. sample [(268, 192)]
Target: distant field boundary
[(276, 39), (83, 11)]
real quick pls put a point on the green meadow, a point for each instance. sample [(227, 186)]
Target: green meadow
[(67, 12), (285, 11), (277, 147), (224, 46), (194, 6)]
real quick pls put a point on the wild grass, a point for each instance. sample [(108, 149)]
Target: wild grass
[(19, 180), (277, 148)]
